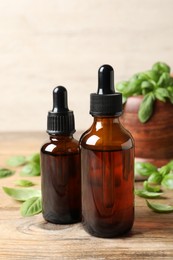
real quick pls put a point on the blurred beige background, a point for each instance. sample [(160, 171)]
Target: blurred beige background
[(45, 43)]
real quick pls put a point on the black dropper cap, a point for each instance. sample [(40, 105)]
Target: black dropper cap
[(60, 120), (106, 102)]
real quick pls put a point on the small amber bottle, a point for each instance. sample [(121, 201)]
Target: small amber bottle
[(107, 157), (60, 165)]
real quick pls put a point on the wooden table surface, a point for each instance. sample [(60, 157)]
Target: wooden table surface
[(33, 238)]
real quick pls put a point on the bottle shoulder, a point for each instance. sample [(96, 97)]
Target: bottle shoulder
[(114, 137), (60, 146)]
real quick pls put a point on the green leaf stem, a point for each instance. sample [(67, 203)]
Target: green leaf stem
[(156, 83)]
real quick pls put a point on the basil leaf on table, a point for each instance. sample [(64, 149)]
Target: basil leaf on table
[(160, 208), (144, 168), (34, 158), (4, 172), (167, 181), (148, 194), (155, 178), (31, 169), (31, 207), (22, 194), (24, 183), (16, 160), (164, 170), (146, 107), (151, 188)]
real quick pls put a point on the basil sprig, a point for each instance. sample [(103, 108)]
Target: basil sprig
[(153, 84), (30, 198), (30, 165), (157, 180)]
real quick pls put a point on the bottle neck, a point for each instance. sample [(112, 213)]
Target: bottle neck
[(105, 122), (61, 137), (106, 119)]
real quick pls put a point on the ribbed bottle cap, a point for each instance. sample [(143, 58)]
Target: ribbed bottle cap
[(60, 120), (106, 102)]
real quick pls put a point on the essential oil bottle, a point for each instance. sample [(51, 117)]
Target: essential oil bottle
[(107, 158), (60, 165)]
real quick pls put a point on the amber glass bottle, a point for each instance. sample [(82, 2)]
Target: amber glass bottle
[(107, 156), (60, 165)]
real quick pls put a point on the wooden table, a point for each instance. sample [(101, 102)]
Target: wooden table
[(33, 238)]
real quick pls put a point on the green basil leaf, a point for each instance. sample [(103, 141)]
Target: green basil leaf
[(164, 170), (146, 108), (34, 158), (148, 194), (167, 182), (152, 188), (144, 168), (147, 84), (160, 208), (164, 80), (22, 194), (121, 86), (171, 81), (170, 91), (16, 160), (31, 169), (161, 94), (132, 88), (124, 100), (4, 172), (31, 207), (171, 99), (155, 178), (161, 67), (150, 75), (24, 183), (135, 77)]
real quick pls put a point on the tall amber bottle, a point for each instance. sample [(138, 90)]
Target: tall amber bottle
[(107, 157), (60, 165)]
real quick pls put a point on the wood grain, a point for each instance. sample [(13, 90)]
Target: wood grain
[(33, 238)]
